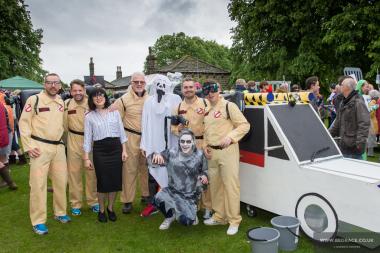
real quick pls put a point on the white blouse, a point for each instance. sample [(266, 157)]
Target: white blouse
[(98, 127)]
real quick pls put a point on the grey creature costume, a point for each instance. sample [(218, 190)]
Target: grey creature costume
[(184, 187)]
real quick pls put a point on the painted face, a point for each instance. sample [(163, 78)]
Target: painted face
[(186, 143)]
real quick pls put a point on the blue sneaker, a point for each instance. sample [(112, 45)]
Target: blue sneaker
[(40, 229), (63, 218), (95, 208), (76, 211)]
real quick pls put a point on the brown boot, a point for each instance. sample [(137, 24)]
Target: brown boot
[(4, 173), (22, 159)]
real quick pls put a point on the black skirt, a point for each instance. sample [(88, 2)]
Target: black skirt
[(108, 164)]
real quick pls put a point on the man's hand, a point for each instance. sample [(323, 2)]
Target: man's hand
[(203, 179), (180, 127), (124, 156), (112, 108), (158, 159), (143, 153), (34, 152), (226, 142), (88, 164), (207, 152)]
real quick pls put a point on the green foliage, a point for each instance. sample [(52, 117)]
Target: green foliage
[(19, 42), (169, 48), (298, 38)]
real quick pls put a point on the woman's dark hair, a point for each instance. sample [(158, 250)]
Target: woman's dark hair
[(93, 93)]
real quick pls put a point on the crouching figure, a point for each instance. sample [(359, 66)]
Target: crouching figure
[(187, 177)]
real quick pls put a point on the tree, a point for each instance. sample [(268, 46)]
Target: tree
[(298, 38), (169, 48), (19, 43)]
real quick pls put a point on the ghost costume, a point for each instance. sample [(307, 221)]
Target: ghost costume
[(155, 109), (184, 188)]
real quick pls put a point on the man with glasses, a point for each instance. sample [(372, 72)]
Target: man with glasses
[(225, 125), (75, 110), (41, 126), (130, 107)]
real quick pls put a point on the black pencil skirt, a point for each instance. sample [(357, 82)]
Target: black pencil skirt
[(108, 164)]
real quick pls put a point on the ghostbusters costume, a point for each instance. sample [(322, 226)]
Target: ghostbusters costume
[(74, 126), (130, 107), (41, 126), (224, 119)]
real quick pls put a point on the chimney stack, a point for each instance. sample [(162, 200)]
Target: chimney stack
[(150, 62), (119, 74), (92, 71)]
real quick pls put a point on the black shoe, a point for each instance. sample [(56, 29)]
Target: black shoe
[(102, 217), (127, 208), (12, 159), (22, 159), (145, 199), (111, 215)]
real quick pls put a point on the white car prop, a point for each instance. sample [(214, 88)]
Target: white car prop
[(290, 165)]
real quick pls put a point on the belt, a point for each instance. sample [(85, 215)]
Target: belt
[(76, 132), (132, 131), (47, 141), (215, 147), (199, 137)]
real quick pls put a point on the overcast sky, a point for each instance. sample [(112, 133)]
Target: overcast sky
[(117, 32)]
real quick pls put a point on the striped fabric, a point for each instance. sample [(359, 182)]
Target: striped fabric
[(98, 127)]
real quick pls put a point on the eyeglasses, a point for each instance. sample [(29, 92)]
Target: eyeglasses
[(185, 141), (206, 89), (99, 95), (52, 82), (138, 82)]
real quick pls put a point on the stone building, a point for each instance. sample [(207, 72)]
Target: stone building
[(189, 66)]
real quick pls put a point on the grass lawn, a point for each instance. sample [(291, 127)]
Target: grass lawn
[(130, 233)]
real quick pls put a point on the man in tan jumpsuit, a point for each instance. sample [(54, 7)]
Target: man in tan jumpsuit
[(193, 109), (75, 110), (130, 107), (41, 126), (225, 125)]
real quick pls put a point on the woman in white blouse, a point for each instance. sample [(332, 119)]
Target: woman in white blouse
[(104, 132)]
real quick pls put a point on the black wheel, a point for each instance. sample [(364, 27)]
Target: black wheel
[(317, 216), (251, 211)]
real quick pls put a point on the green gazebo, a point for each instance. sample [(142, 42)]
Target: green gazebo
[(19, 83)]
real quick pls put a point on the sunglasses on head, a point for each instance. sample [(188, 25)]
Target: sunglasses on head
[(186, 141), (210, 88)]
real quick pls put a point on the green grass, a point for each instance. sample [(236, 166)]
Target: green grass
[(130, 233)]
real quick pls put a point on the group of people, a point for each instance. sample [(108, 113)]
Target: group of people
[(184, 152), (193, 143)]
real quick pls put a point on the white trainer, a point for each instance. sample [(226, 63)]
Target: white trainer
[(212, 222), (166, 223), (196, 221), (207, 214), (232, 230)]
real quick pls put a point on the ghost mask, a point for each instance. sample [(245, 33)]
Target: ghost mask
[(160, 87)]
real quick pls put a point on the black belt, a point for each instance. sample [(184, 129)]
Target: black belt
[(76, 132), (199, 137), (132, 131), (215, 147), (47, 141)]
